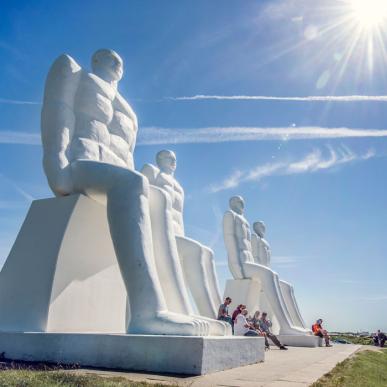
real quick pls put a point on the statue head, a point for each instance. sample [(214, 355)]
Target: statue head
[(107, 64), (166, 161), (237, 204), (260, 228)]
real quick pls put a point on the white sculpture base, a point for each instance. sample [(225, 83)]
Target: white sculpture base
[(62, 274), (167, 354), (301, 341), (246, 291)]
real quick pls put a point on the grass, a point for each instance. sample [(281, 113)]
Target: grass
[(354, 340), (29, 378), (35, 374), (365, 369)]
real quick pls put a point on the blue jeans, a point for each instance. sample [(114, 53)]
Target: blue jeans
[(251, 333), (227, 319)]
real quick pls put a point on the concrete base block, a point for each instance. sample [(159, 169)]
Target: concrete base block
[(300, 341), (165, 354)]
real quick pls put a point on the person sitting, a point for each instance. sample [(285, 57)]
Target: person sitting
[(375, 339), (265, 325), (381, 338), (223, 311), (319, 331), (242, 327), (238, 310)]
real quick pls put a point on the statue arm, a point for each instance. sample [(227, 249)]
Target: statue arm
[(58, 121), (254, 247), (123, 106)]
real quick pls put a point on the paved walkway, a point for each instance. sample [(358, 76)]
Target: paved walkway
[(297, 367)]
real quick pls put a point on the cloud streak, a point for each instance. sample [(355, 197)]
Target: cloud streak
[(310, 98), (18, 102), (164, 136), (158, 136), (314, 161), (21, 138)]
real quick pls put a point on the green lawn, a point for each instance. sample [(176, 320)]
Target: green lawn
[(30, 378), (355, 340), (365, 369)]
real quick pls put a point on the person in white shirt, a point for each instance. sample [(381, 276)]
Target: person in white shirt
[(242, 327)]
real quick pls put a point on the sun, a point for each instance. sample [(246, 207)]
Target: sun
[(369, 14)]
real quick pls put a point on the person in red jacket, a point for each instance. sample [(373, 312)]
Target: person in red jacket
[(318, 330), (238, 310)]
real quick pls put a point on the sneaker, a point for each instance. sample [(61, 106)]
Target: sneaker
[(282, 347), (328, 345)]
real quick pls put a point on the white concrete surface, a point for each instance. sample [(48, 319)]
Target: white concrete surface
[(297, 367), (62, 273), (165, 354), (300, 341)]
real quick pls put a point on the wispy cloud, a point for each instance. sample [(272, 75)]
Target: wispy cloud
[(312, 162), (158, 136), (21, 191), (18, 102), (284, 261), (310, 98), (376, 298), (22, 138)]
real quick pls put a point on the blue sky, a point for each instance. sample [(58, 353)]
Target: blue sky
[(314, 171)]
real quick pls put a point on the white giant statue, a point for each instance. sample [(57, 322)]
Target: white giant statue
[(89, 134), (262, 254), (197, 260), (243, 265)]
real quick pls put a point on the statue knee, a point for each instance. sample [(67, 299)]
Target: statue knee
[(132, 183)]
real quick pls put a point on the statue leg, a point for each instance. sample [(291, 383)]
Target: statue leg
[(168, 263), (208, 256), (194, 266), (126, 194), (291, 303), (272, 290)]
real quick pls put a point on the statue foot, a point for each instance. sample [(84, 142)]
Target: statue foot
[(217, 328), (168, 323)]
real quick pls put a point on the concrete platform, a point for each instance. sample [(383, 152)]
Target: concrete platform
[(297, 367), (300, 341), (165, 354)]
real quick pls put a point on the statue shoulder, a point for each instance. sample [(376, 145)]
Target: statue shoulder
[(151, 172), (62, 80)]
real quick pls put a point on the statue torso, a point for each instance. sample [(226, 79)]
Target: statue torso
[(243, 236), (176, 192), (104, 130), (260, 249)]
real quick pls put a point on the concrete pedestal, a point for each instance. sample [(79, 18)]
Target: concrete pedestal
[(62, 274), (300, 341), (164, 354)]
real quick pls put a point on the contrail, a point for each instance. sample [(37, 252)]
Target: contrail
[(17, 102), (311, 98), (158, 136), (207, 135)]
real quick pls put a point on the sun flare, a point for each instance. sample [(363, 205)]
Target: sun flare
[(369, 13)]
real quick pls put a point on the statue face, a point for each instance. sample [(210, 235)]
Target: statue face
[(108, 65), (237, 204), (166, 161), (259, 228)]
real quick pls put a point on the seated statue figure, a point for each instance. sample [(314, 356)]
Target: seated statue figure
[(197, 260), (89, 134), (237, 237), (262, 254)]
